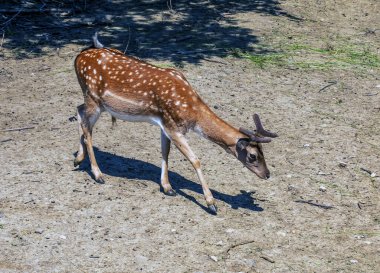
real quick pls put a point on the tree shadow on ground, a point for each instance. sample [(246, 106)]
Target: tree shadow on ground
[(131, 168), (187, 31)]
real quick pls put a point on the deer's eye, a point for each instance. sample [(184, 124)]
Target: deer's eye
[(252, 158)]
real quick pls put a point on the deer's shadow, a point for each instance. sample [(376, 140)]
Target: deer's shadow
[(130, 168)]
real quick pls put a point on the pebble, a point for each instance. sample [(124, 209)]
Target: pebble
[(342, 164), (353, 261), (141, 259), (39, 231), (322, 173), (250, 262), (214, 258), (220, 243), (306, 145), (322, 188), (63, 237)]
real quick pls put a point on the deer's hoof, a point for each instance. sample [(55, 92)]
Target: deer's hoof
[(213, 209), (171, 192), (77, 162), (100, 180)]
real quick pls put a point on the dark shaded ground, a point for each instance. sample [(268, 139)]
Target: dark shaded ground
[(187, 33), (130, 168)]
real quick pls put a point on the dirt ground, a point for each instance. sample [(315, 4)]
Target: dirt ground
[(319, 211)]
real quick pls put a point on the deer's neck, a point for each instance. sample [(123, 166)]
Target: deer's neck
[(212, 127)]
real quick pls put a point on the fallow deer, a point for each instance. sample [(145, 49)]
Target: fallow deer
[(133, 90)]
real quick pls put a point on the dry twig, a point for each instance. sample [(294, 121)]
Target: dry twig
[(267, 259), (237, 245), (310, 202), (14, 16), (327, 86), (170, 6), (18, 129), (2, 41), (129, 39)]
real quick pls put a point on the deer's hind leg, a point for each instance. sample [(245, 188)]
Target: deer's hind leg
[(82, 151), (88, 114)]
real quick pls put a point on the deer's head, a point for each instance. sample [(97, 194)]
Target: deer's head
[(249, 150)]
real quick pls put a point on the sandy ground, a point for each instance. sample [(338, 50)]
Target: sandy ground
[(55, 218)]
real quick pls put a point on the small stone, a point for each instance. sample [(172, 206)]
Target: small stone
[(250, 262), (322, 188), (63, 237), (353, 261), (373, 175), (292, 188), (306, 145), (322, 173), (39, 231), (342, 164), (214, 258), (173, 230), (230, 230), (141, 259), (220, 243)]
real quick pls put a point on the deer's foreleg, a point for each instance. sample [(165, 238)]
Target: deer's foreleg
[(181, 143), (165, 149)]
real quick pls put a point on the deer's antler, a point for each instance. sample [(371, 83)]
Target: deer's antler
[(260, 134), (260, 129)]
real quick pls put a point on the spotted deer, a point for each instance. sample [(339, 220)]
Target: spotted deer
[(133, 90)]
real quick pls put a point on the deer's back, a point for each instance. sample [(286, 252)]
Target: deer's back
[(126, 85)]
